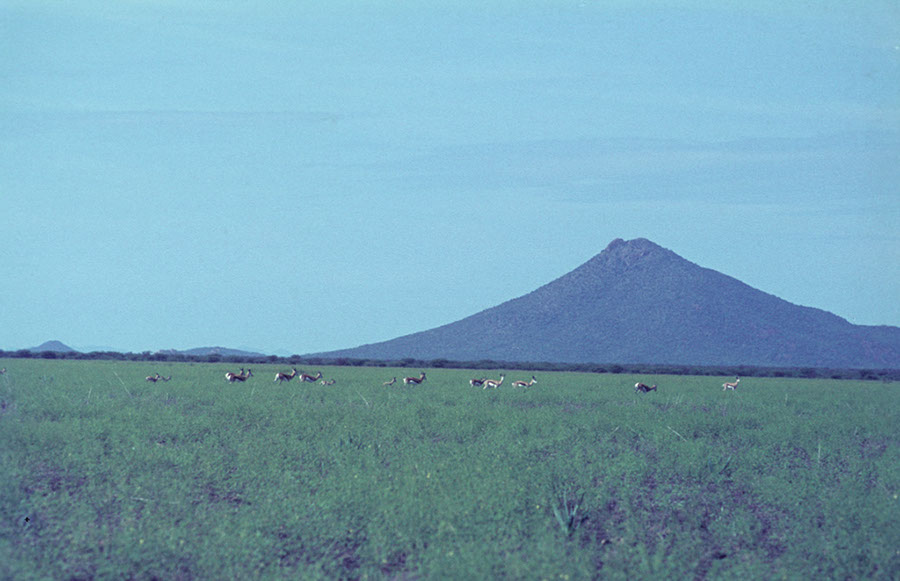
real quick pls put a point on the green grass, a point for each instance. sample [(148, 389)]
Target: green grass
[(578, 477)]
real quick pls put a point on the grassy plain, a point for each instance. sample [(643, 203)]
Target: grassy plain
[(578, 477)]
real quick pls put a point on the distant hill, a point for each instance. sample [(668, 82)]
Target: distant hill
[(637, 302), (54, 346), (203, 351)]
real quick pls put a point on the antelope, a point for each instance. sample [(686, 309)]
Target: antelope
[(153, 378), (165, 378), (525, 383), (476, 382), (731, 386), (414, 380), (391, 382), (327, 382), (643, 388), (279, 377), (242, 376), (310, 378), (493, 383), (2, 371)]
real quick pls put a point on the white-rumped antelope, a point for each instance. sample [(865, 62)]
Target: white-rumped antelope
[(242, 376), (310, 378), (494, 383), (644, 388), (525, 383), (414, 380), (279, 377)]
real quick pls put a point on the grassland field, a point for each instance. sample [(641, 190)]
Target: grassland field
[(105, 475)]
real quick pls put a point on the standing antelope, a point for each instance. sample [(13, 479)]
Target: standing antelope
[(477, 382), (493, 383), (279, 377), (525, 383), (414, 380), (644, 388), (153, 378), (311, 378), (391, 382), (731, 386)]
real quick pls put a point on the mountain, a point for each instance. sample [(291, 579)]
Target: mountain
[(55, 346), (637, 302), (203, 351)]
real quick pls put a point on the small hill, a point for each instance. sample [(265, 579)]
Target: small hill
[(54, 346), (637, 302), (203, 351)]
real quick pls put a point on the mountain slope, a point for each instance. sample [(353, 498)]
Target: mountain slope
[(637, 302)]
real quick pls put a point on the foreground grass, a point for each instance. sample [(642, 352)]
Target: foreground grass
[(106, 475)]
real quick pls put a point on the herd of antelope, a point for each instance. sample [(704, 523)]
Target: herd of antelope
[(482, 382)]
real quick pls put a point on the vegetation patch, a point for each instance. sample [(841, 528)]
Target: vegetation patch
[(579, 477)]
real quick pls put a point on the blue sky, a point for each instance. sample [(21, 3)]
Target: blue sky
[(298, 177)]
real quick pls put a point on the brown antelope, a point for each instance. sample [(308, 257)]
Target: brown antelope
[(414, 380), (391, 382), (153, 378), (732, 386), (279, 377), (2, 371), (476, 382), (310, 378), (242, 376), (525, 383), (644, 388), (493, 383), (327, 382)]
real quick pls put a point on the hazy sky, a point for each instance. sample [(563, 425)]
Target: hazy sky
[(295, 177)]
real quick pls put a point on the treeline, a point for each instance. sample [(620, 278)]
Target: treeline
[(623, 368)]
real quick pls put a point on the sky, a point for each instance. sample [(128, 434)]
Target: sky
[(297, 177)]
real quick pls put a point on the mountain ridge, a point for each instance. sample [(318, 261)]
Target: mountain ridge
[(203, 351), (637, 302)]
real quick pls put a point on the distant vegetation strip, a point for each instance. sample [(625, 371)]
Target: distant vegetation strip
[(627, 368)]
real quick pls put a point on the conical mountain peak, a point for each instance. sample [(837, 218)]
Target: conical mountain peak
[(637, 302), (625, 253)]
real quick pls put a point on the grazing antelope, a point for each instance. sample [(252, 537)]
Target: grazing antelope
[(279, 377), (153, 378), (327, 382), (391, 382), (477, 382), (731, 386), (414, 380), (242, 376), (493, 383), (644, 388), (310, 378), (525, 383)]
